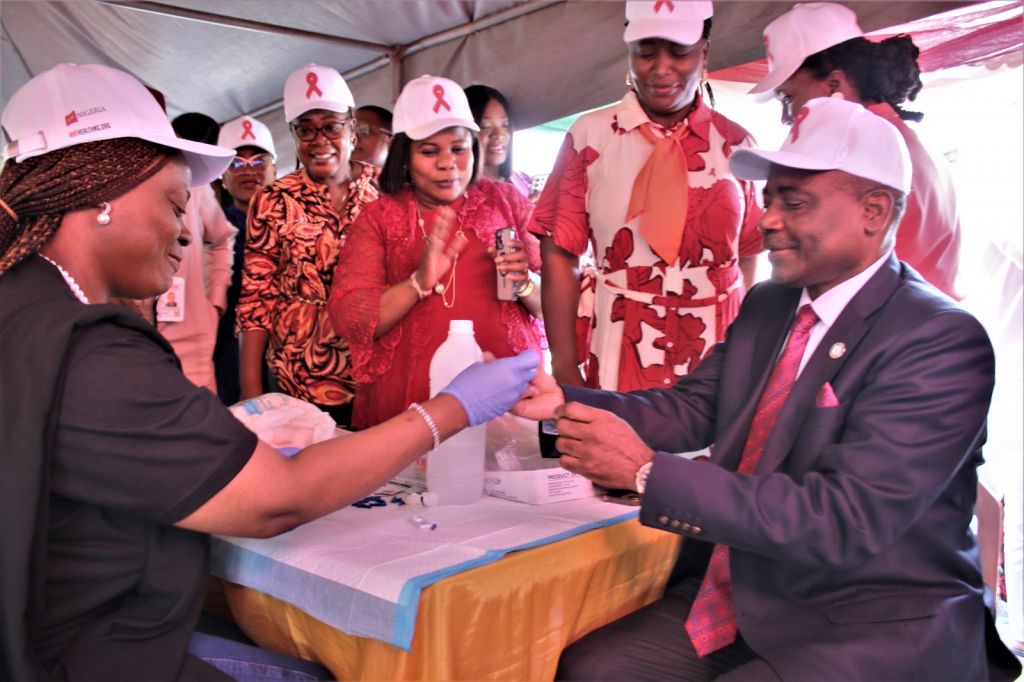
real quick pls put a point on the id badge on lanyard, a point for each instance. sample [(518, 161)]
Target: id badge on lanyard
[(170, 306)]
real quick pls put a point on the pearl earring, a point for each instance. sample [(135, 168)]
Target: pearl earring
[(104, 217)]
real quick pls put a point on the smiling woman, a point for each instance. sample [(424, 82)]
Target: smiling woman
[(672, 264), (295, 231), (424, 255), (115, 467)]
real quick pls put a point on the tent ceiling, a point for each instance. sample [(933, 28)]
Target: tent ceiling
[(229, 57)]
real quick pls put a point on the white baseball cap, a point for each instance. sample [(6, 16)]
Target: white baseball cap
[(71, 104), (429, 104), (807, 29), (831, 133), (316, 87), (681, 21), (246, 131)]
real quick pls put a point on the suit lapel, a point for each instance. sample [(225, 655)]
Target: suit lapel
[(849, 329)]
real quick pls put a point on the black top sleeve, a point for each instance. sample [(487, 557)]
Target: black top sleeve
[(133, 434)]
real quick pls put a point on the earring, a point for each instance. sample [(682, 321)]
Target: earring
[(104, 217), (629, 82)]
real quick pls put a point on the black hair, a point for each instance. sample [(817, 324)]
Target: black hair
[(882, 72), (383, 114), (394, 176), (479, 97), (196, 127)]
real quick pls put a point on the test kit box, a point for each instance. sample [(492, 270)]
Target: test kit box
[(516, 471)]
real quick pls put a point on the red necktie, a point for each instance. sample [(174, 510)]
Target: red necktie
[(712, 621)]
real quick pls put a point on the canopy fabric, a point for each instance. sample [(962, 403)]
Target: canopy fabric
[(230, 57), (988, 34)]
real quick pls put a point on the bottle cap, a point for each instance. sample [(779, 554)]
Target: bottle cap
[(460, 327)]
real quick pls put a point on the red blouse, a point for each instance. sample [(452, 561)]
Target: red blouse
[(384, 248)]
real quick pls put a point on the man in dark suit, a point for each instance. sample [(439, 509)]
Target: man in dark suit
[(828, 537)]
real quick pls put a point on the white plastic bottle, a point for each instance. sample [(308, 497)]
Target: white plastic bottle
[(455, 470)]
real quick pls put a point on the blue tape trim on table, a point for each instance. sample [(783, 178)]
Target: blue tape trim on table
[(409, 597)]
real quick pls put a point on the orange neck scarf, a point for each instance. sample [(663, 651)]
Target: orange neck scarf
[(661, 193)]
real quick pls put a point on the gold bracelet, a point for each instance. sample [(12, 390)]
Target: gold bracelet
[(422, 293), (526, 289)]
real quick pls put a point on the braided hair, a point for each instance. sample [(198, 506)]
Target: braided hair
[(882, 72), (41, 189)]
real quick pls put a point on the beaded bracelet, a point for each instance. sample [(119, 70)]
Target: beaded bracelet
[(422, 293), (421, 411)]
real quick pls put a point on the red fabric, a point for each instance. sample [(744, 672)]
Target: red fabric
[(928, 237), (384, 248), (712, 621)]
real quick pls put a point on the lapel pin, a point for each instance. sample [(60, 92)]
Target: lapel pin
[(837, 350)]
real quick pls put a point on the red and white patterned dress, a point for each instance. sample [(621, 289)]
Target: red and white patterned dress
[(643, 322)]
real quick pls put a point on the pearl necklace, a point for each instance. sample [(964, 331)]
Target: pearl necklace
[(75, 289)]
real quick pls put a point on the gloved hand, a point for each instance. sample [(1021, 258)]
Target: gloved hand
[(488, 389)]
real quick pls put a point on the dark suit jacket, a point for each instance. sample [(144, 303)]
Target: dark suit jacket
[(851, 556)]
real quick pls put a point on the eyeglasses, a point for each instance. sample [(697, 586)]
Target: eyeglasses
[(308, 133), (257, 163), (364, 130)]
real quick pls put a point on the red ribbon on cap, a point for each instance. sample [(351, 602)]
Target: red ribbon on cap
[(659, 3), (247, 130), (796, 124), (439, 94), (312, 79)]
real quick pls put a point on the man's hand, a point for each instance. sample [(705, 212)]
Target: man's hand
[(542, 397), (600, 445)]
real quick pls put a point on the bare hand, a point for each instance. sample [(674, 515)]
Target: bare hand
[(599, 445), (438, 254), (542, 397), (513, 265)]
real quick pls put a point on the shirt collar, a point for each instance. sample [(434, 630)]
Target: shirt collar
[(831, 304), (629, 114)]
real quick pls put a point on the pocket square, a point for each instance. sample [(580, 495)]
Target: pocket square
[(826, 396)]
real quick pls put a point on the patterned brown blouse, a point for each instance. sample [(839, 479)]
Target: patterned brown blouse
[(293, 236)]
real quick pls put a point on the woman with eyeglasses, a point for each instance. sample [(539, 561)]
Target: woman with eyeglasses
[(373, 135), (295, 230), (394, 292)]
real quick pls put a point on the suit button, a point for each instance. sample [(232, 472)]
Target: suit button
[(675, 524), (663, 520), (687, 527), (697, 530)]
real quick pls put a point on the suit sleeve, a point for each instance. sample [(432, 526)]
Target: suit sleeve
[(916, 422), (677, 419)]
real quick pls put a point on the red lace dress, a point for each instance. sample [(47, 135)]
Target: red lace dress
[(383, 248)]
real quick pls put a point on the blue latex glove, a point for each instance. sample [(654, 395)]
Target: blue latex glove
[(488, 389)]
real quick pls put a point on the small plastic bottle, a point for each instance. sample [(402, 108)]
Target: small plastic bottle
[(455, 470)]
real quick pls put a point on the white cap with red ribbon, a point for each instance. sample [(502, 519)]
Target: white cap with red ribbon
[(807, 29), (831, 133), (246, 131), (681, 21), (316, 87), (429, 104), (71, 104)]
